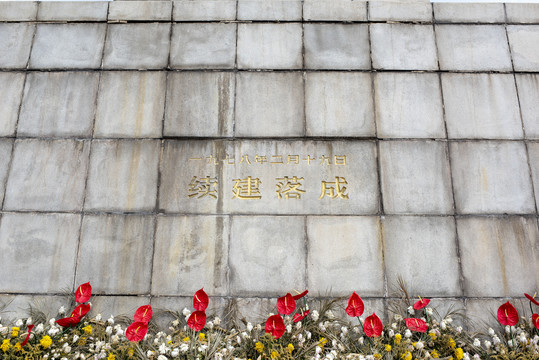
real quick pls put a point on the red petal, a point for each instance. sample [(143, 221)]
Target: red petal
[(83, 293), (197, 320), (531, 298), (355, 306), (275, 326), (136, 331), (300, 316), (81, 310), (286, 304), (416, 325), (373, 326), (421, 304), (535, 319), (68, 321), (30, 327), (144, 314), (299, 296), (200, 300), (507, 314)]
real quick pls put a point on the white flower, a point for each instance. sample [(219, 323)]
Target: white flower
[(308, 335), (115, 339), (162, 357), (318, 350), (249, 327), (217, 321), (111, 320), (443, 325), (449, 320), (397, 317), (411, 310), (429, 311), (391, 333), (39, 328), (491, 331), (176, 322), (477, 357), (360, 340), (510, 343), (394, 326), (419, 345), (330, 315), (75, 338), (108, 330), (67, 349), (488, 344), (163, 349), (315, 315), (476, 342), (19, 323), (175, 353), (407, 333), (149, 353), (52, 321), (322, 327), (258, 327), (184, 347), (4, 330), (289, 328), (53, 331), (298, 325), (344, 330), (98, 317), (61, 310), (496, 340), (523, 338), (209, 324), (465, 356), (29, 321), (459, 329)]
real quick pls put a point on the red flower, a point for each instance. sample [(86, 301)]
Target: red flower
[(197, 320), (81, 310), (83, 293), (144, 314), (299, 296), (300, 316), (30, 327), (373, 326), (136, 331), (68, 321), (421, 303), (532, 298), (355, 306), (535, 320), (275, 326), (416, 325), (286, 304), (507, 314), (200, 300)]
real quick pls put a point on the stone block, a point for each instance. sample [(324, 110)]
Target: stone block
[(58, 104), (522, 13), (47, 175), (206, 10), (400, 11), (18, 10), (117, 306), (200, 104), (533, 153), (524, 41), (466, 12), (482, 313), (68, 46), (412, 250), (270, 46), (337, 10), (481, 106), (473, 47), (255, 309), (130, 104), (336, 46), (15, 307), (288, 10), (15, 44), (528, 94), (199, 45), (137, 46), (403, 47), (51, 239), (408, 105), (11, 87), (5, 157), (511, 245), (140, 10), (191, 252), (274, 99), (339, 104), (415, 177), (348, 248), (260, 261), (72, 11), (129, 248), (123, 175), (491, 177), (168, 309)]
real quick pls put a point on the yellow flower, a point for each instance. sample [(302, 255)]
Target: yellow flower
[(111, 357), (201, 337), (130, 352), (46, 341), (459, 354), (398, 338), (17, 346), (5, 345), (322, 342), (377, 356), (274, 354), (406, 356), (14, 331), (186, 339), (414, 343), (434, 354), (87, 329), (82, 341), (388, 348), (290, 348), (432, 336), (452, 344), (259, 347)]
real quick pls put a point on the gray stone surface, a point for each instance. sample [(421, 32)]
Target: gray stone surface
[(400, 11), (58, 104), (336, 46), (15, 44), (522, 13), (117, 306), (274, 100), (511, 246), (18, 10), (191, 252), (5, 158), (481, 313), (288, 10), (270, 46), (528, 95), (15, 307), (198, 46), (415, 177), (137, 46), (162, 304), (481, 106), (524, 41), (408, 105), (348, 248), (47, 175), (140, 10), (72, 11), (130, 104), (412, 250), (129, 248), (491, 177), (207, 10), (338, 10), (123, 175), (473, 47), (403, 47), (339, 104), (533, 153), (51, 238), (69, 46), (469, 12), (200, 104), (11, 87)]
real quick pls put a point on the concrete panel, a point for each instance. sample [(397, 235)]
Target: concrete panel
[(15, 307), (472, 13), (58, 104), (72, 11), (260, 248), (130, 104), (491, 177), (200, 104), (11, 87), (408, 105), (400, 11), (123, 175), (339, 104), (415, 177), (191, 252), (344, 253), (198, 46), (403, 47), (208, 10), (18, 10), (275, 100), (117, 306), (15, 44), (140, 10), (473, 47), (164, 304), (412, 250), (5, 157), (533, 152), (524, 41), (528, 95), (53, 244), (522, 13), (47, 175), (128, 241), (482, 313), (270, 46), (69, 46), (289, 10), (337, 10), (137, 46), (336, 46), (481, 106), (511, 246)]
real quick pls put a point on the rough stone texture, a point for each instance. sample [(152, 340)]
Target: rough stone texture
[(207, 10), (117, 306), (491, 177), (200, 104), (130, 104), (15, 305), (524, 41), (473, 13), (18, 10), (482, 313), (339, 10), (533, 152), (5, 158), (288, 10), (481, 106), (11, 87), (528, 93), (15, 43), (47, 175), (58, 104), (72, 11), (141, 10), (400, 11), (522, 13)]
